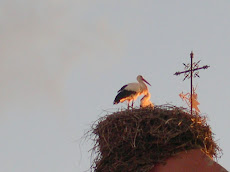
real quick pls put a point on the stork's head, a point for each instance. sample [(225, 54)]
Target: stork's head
[(140, 78)]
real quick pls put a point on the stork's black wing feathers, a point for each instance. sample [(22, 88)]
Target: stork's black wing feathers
[(122, 94), (122, 88)]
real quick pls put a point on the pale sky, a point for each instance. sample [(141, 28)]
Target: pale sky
[(63, 61)]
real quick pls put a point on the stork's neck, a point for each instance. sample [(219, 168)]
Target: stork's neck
[(146, 97), (143, 85)]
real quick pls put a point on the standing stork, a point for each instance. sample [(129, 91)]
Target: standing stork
[(131, 91), (145, 101)]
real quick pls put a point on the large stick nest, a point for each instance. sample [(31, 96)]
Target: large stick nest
[(137, 139)]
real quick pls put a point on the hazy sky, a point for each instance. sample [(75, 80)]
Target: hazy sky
[(63, 61)]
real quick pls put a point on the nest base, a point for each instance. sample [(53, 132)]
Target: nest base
[(138, 139)]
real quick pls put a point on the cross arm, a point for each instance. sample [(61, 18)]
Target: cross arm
[(204, 67)]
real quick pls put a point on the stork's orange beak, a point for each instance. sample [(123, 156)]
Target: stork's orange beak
[(146, 81)]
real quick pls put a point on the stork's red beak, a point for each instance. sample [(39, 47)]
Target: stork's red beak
[(146, 81)]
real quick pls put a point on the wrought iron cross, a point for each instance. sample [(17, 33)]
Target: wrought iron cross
[(191, 70)]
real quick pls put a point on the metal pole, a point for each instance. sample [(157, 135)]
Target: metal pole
[(191, 56)]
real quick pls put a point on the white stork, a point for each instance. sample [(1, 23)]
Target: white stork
[(131, 91), (145, 101)]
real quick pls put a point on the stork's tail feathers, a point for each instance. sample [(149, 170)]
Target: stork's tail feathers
[(115, 102)]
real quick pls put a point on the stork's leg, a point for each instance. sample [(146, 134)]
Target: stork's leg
[(128, 105), (132, 103)]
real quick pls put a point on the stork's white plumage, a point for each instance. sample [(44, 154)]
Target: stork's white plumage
[(145, 101), (131, 91)]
